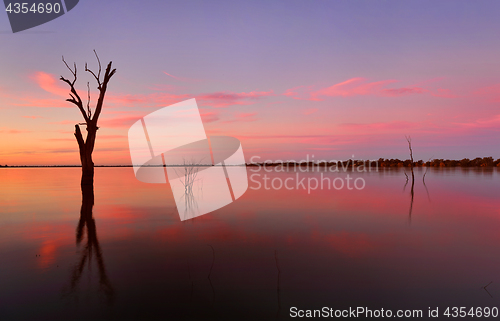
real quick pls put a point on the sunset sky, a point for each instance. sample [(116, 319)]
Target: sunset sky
[(288, 78)]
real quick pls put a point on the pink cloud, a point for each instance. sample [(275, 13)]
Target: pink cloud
[(310, 111), (295, 91), (13, 131), (41, 102), (225, 99), (445, 93), (183, 79), (112, 137), (377, 127), (323, 148), (336, 140), (50, 83), (209, 117), (490, 92), (61, 139), (218, 99), (119, 122), (166, 88), (154, 99), (125, 121), (492, 123), (64, 122), (32, 117), (244, 117), (353, 87), (100, 137), (403, 91), (286, 137)]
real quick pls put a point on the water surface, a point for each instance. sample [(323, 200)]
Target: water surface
[(253, 259)]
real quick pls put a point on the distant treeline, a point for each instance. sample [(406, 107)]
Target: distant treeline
[(476, 162), (381, 162)]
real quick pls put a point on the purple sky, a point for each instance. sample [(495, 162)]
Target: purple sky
[(288, 78)]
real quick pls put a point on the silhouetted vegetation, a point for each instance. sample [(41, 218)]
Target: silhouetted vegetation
[(381, 162), (476, 162)]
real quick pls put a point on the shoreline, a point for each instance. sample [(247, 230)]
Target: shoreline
[(380, 163)]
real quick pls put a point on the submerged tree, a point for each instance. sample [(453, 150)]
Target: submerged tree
[(87, 146), (408, 139)]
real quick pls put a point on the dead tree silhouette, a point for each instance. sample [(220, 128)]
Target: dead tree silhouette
[(87, 146)]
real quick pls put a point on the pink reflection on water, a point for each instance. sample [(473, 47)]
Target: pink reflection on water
[(452, 234)]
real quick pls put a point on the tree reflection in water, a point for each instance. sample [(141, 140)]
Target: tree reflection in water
[(91, 250)]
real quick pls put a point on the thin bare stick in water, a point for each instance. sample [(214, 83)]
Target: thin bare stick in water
[(210, 274), (278, 284), (426, 169), (484, 287), (412, 196), (213, 261), (192, 282), (423, 180), (404, 187), (408, 139)]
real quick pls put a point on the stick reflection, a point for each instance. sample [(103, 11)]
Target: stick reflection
[(187, 177)]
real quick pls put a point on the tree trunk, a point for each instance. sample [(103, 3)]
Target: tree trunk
[(86, 148)]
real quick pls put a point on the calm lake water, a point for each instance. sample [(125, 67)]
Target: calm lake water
[(254, 259)]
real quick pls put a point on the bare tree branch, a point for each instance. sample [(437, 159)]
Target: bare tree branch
[(75, 98), (98, 76), (102, 91), (88, 100), (98, 61), (73, 72)]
